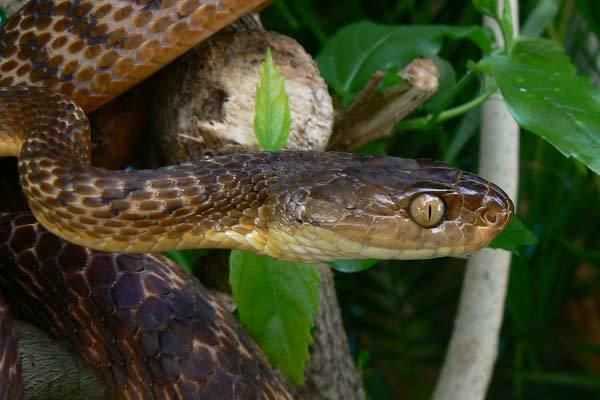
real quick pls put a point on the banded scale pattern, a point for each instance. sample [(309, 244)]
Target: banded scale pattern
[(91, 51), (298, 205), (152, 331)]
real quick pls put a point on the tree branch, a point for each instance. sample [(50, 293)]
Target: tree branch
[(374, 114)]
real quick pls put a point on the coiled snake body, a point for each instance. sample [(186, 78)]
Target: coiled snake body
[(152, 331)]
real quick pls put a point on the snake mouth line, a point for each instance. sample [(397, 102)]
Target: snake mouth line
[(316, 244)]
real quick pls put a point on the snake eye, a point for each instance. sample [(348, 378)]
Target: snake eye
[(427, 210)]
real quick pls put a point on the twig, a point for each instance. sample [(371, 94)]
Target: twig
[(374, 114), (473, 347), (425, 122)]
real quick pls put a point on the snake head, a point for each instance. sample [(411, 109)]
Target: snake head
[(393, 208)]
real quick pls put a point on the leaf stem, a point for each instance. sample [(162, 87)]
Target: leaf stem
[(426, 121), (466, 78)]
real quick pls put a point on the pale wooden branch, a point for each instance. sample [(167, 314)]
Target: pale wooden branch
[(374, 114), (473, 347), (207, 102)]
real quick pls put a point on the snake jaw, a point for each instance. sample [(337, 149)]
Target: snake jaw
[(362, 211)]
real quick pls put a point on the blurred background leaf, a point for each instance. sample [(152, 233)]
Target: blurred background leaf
[(513, 236), (400, 314), (186, 258), (357, 51)]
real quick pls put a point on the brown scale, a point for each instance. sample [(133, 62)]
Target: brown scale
[(302, 206), (93, 51), (64, 58), (162, 335)]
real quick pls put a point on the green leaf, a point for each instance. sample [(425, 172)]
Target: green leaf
[(377, 148), (487, 7), (540, 18), (186, 259), (277, 301), (546, 97), (447, 82), (590, 12), (543, 53), (272, 120), (506, 23), (357, 51), (514, 236), (352, 265)]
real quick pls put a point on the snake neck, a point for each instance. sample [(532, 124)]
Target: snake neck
[(216, 203), (300, 206), (84, 54)]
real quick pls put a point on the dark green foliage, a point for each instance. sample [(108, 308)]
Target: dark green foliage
[(352, 55), (186, 258), (546, 96), (399, 314)]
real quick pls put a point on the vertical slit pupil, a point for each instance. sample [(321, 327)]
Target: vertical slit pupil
[(429, 211)]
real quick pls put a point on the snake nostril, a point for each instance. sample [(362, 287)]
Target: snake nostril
[(490, 217)]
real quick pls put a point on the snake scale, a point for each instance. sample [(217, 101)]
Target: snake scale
[(149, 330)]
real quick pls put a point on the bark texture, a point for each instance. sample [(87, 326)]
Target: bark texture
[(204, 104), (374, 114)]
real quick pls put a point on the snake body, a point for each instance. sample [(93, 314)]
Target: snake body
[(301, 206), (149, 329), (63, 59)]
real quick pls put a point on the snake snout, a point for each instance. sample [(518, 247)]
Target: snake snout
[(484, 208), (498, 209)]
